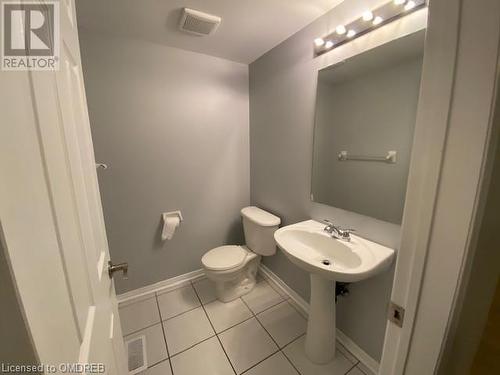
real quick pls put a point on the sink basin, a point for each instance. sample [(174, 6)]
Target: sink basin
[(328, 260), (308, 246)]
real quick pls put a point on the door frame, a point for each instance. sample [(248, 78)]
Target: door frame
[(68, 301), (447, 172)]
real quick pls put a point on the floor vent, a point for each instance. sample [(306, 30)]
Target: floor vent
[(136, 349)]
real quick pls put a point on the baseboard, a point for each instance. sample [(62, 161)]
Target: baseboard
[(359, 353), (283, 289), (161, 286), (350, 345)]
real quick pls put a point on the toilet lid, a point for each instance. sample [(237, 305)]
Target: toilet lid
[(224, 257)]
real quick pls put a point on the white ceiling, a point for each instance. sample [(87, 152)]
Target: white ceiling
[(249, 28)]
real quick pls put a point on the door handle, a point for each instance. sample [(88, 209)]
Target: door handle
[(112, 268)]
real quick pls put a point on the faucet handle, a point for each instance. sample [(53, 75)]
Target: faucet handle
[(326, 221), (345, 234)]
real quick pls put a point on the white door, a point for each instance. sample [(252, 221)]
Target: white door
[(51, 215)]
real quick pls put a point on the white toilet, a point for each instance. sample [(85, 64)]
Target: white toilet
[(233, 268)]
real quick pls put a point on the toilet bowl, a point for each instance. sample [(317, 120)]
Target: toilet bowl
[(233, 268)]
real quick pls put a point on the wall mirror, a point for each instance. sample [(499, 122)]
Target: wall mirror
[(364, 122)]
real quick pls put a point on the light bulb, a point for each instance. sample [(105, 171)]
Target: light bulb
[(367, 16), (377, 20), (399, 2), (328, 44), (410, 5), (351, 33), (340, 29), (319, 42)]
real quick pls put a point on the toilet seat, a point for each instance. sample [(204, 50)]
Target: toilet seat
[(224, 258)]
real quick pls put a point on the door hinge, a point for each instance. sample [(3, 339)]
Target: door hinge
[(396, 314)]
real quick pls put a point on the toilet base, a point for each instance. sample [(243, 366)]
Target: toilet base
[(231, 286)]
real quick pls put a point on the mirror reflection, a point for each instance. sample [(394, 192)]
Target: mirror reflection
[(365, 117)]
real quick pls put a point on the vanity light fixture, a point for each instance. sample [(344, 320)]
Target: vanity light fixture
[(328, 44), (340, 29), (410, 5), (369, 20), (319, 42), (368, 15)]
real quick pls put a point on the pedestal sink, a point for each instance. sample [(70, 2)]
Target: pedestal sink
[(328, 260)]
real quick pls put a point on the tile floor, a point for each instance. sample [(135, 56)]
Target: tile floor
[(189, 332)]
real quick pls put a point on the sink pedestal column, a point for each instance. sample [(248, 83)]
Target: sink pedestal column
[(320, 337)]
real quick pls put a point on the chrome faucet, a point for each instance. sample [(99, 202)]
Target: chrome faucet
[(337, 232)]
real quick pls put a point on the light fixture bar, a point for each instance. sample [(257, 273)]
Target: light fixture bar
[(371, 19)]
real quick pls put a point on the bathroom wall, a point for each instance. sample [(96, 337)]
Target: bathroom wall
[(173, 127), (282, 102)]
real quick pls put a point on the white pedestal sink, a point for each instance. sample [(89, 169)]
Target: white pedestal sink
[(328, 260)]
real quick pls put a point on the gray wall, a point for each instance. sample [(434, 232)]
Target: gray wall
[(368, 115), (282, 101), (173, 126)]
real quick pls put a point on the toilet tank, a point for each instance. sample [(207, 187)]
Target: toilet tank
[(259, 227)]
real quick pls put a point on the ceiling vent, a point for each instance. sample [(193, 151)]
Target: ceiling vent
[(199, 23)]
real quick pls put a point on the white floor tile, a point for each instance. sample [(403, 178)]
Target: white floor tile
[(341, 348), (277, 364), (139, 315), (177, 301), (156, 350), (206, 358), (261, 297), (162, 368), (206, 290), (355, 371), (186, 330), (225, 315), (295, 352), (283, 322), (281, 292), (246, 344)]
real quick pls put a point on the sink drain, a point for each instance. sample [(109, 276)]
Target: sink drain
[(326, 262)]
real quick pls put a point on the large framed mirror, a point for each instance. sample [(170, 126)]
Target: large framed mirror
[(365, 118)]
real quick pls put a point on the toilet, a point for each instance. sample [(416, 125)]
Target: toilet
[(233, 268)]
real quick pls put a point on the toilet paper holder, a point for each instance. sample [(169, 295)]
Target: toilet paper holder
[(168, 231)]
